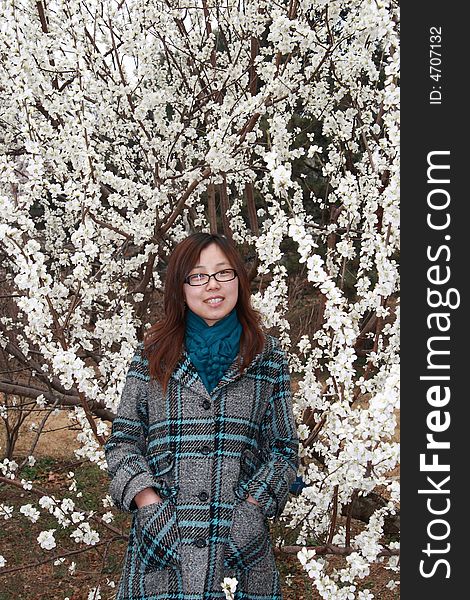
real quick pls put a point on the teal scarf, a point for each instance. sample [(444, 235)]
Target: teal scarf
[(212, 349)]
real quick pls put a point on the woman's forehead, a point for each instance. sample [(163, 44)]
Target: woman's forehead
[(210, 254)]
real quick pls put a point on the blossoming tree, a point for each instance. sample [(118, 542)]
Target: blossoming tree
[(126, 125)]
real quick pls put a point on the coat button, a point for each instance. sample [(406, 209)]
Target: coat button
[(204, 496), (205, 449), (200, 543), (206, 404)]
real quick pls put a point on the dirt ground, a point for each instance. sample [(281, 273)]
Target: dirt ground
[(58, 440)]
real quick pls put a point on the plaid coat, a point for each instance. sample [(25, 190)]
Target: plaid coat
[(204, 454)]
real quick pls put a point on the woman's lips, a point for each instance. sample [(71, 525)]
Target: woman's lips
[(218, 303)]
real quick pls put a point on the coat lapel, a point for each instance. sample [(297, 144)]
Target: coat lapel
[(186, 374)]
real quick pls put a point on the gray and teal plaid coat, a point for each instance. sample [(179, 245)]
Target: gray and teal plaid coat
[(203, 453)]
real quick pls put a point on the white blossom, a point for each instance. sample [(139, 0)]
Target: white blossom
[(46, 539), (108, 517), (94, 594), (41, 401), (229, 587), (365, 595), (47, 503), (6, 511), (84, 534), (30, 512)]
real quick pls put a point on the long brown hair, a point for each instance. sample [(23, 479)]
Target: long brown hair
[(163, 342)]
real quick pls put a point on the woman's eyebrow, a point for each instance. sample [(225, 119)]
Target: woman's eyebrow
[(217, 265)]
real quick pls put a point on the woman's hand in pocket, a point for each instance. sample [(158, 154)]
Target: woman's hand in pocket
[(147, 496), (252, 500)]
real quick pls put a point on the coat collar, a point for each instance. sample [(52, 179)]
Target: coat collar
[(186, 373)]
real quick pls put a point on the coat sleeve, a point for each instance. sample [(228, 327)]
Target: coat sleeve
[(125, 448), (279, 444)]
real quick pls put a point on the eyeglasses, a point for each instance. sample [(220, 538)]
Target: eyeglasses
[(204, 278)]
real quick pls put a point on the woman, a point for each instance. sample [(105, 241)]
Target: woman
[(204, 447)]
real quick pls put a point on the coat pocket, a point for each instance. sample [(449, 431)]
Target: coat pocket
[(157, 534), (248, 540)]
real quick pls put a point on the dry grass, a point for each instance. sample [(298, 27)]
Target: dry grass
[(58, 439)]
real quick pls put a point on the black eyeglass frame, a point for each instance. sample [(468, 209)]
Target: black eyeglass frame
[(186, 279)]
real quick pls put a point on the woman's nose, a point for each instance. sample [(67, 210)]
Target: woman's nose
[(212, 284)]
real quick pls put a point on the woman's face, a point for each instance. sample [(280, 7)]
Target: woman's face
[(211, 260)]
